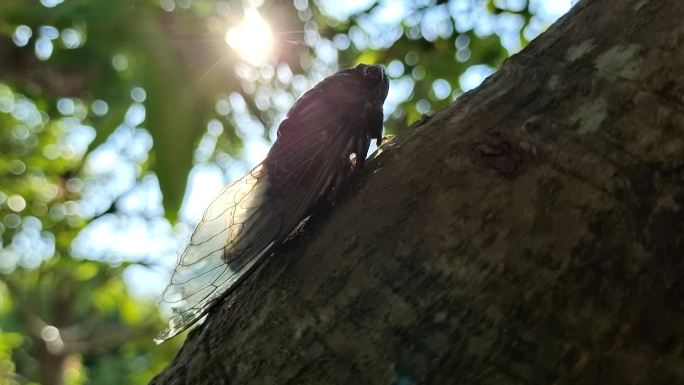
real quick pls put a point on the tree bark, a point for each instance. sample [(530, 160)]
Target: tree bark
[(529, 234)]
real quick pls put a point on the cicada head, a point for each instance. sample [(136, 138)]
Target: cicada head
[(349, 99), (374, 80), (360, 90), (365, 81)]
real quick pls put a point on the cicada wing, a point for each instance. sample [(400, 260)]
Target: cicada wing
[(232, 236)]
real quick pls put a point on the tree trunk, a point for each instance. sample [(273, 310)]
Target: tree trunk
[(529, 234)]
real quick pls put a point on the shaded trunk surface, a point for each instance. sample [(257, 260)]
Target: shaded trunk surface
[(529, 234)]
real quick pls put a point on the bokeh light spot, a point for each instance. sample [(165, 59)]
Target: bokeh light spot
[(138, 94), (71, 38), (17, 167), (167, 5), (49, 32), (51, 3), (441, 88), (120, 62), (12, 221), (49, 333), (99, 107), (65, 106), (16, 203), (21, 35), (43, 48)]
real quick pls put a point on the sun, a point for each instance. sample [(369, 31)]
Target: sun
[(252, 38)]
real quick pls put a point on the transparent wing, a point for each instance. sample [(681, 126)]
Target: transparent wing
[(232, 236), (248, 218)]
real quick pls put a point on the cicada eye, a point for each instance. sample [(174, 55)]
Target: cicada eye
[(373, 74)]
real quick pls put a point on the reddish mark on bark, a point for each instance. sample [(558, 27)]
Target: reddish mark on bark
[(500, 155)]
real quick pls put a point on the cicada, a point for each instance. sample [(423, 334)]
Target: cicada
[(324, 137)]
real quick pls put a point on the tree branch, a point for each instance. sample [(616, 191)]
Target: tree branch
[(528, 234)]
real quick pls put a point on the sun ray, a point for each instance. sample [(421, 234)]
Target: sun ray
[(252, 38)]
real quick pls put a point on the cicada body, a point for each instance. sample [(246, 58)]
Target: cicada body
[(326, 127)]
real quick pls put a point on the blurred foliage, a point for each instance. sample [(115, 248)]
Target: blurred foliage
[(63, 320), (99, 98)]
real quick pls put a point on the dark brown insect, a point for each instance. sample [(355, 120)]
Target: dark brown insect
[(323, 138)]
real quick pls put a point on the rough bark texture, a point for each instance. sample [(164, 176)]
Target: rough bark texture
[(529, 234)]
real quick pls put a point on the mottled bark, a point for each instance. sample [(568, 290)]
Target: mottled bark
[(529, 234)]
